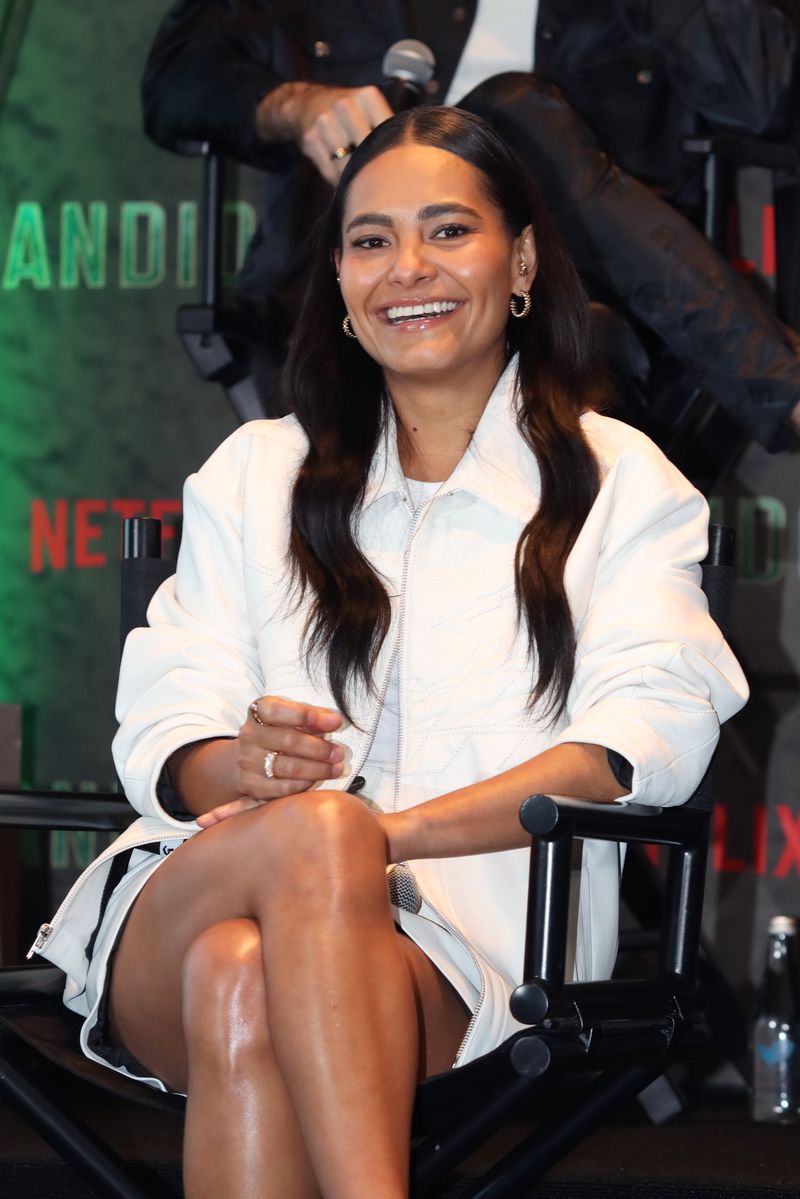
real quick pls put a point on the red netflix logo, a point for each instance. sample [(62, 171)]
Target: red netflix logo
[(78, 533), (785, 857)]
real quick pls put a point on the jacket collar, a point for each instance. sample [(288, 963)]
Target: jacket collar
[(497, 467)]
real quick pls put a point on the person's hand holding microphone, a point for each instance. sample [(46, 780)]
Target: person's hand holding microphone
[(326, 123)]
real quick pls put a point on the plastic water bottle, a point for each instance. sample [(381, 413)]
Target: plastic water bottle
[(776, 1033)]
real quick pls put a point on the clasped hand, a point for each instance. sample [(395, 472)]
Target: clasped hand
[(324, 122), (289, 737)]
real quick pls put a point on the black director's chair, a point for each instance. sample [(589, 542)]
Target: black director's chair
[(589, 1047)]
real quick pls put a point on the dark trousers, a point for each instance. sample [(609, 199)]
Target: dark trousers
[(636, 251)]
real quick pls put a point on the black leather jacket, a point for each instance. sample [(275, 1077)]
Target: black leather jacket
[(642, 74)]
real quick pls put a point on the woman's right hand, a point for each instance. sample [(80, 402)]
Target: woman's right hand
[(283, 748)]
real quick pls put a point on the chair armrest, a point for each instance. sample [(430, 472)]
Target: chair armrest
[(65, 810), (549, 816), (194, 149), (728, 150), (743, 150), (554, 822)]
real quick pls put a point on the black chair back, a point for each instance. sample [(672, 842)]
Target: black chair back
[(142, 571)]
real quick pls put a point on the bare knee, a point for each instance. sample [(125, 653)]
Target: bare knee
[(224, 997), (325, 846)]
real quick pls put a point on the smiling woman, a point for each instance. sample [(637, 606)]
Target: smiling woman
[(444, 583)]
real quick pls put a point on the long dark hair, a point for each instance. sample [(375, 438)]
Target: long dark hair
[(337, 393)]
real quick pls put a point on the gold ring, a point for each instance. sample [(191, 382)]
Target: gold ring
[(341, 152), (253, 709)]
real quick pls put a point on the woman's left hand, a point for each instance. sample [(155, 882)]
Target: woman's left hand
[(226, 810)]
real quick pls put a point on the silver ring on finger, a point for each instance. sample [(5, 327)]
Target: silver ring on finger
[(269, 763)]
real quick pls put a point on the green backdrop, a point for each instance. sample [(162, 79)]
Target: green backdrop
[(99, 404)]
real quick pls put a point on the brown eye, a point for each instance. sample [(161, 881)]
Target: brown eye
[(449, 232), (373, 242)]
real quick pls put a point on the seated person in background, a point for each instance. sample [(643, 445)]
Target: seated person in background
[(444, 583), (618, 86)]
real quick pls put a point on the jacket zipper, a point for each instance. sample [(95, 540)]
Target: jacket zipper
[(385, 684), (418, 515), (46, 929), (478, 1006), (416, 522), (375, 720)]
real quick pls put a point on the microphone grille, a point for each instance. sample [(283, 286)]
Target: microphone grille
[(410, 60), (404, 889)]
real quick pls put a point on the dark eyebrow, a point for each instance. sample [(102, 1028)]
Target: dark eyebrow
[(370, 218), (424, 214), (434, 210)]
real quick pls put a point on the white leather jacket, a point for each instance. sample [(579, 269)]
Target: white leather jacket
[(653, 676)]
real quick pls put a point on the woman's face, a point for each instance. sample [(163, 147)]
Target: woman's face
[(427, 265)]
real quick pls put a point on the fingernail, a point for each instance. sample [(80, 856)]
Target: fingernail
[(344, 726)]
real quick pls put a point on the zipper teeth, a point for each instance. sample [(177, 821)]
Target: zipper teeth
[(100, 861), (463, 941), (376, 719)]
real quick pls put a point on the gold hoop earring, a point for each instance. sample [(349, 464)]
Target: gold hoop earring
[(526, 305), (347, 330)]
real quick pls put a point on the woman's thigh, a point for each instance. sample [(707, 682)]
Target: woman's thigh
[(212, 878), (442, 1017)]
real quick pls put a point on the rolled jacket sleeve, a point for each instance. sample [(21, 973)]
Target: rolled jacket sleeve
[(191, 674), (654, 677)]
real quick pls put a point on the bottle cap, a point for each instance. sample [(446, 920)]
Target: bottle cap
[(782, 924)]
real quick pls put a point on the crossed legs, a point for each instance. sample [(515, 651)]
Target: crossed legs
[(261, 972)]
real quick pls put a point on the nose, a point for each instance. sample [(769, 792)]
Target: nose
[(411, 262)]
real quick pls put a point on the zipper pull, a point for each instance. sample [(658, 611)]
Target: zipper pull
[(41, 937)]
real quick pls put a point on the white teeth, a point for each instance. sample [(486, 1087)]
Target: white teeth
[(432, 308)]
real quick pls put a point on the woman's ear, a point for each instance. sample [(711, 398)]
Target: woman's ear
[(525, 260), (337, 259)]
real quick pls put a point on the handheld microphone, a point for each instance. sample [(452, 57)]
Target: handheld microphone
[(407, 66)]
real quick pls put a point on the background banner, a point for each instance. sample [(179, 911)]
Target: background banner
[(103, 416)]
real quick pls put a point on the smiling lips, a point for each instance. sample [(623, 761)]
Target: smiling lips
[(403, 313)]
